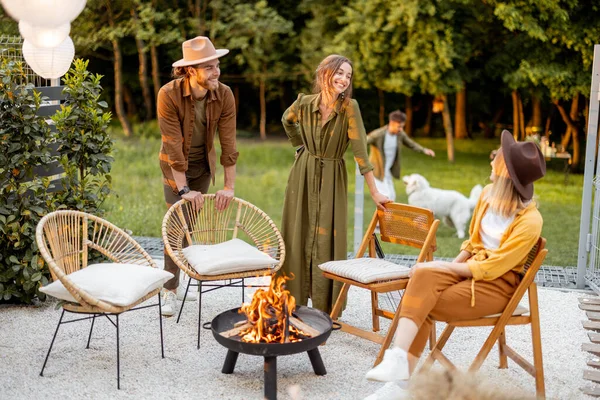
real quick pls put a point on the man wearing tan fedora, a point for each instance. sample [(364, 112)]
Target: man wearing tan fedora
[(190, 109)]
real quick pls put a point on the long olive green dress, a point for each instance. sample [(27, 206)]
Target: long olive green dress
[(314, 223)]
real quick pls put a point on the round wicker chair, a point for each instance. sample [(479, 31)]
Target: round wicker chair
[(65, 240), (183, 225)]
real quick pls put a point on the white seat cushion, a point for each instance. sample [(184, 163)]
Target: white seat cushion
[(520, 310), (366, 270), (117, 284), (226, 258)]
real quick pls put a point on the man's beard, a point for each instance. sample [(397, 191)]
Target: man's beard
[(208, 84)]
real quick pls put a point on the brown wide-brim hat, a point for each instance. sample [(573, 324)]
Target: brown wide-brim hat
[(198, 50), (525, 163)]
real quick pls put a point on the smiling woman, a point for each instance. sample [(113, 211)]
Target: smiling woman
[(322, 126)]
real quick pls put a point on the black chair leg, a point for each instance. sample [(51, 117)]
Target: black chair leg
[(91, 329), (52, 343), (118, 359), (199, 311), (162, 345), (184, 297), (243, 287)]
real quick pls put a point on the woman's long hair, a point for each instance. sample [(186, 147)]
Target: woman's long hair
[(325, 72), (503, 197)]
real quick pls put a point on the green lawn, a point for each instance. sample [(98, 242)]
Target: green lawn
[(137, 200)]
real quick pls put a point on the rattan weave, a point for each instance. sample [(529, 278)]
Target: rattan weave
[(65, 238), (183, 225)]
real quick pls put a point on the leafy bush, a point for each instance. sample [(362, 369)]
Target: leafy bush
[(24, 199), (85, 145)]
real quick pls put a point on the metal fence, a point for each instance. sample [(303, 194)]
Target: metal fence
[(588, 257), (11, 48)]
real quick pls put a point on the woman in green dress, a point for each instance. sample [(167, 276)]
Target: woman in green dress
[(314, 224)]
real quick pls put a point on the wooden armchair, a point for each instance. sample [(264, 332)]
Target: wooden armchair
[(66, 240), (399, 224), (183, 225), (513, 314)]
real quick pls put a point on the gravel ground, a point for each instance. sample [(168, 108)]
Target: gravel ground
[(74, 372)]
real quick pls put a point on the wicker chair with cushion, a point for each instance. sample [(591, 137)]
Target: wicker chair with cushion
[(67, 240), (223, 247)]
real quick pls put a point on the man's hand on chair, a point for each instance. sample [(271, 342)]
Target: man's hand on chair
[(223, 198), (196, 198)]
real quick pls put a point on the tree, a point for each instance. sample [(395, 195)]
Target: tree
[(259, 38), (102, 25)]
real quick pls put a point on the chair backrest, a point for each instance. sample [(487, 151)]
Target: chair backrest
[(535, 250), (405, 225), (65, 237), (183, 225)]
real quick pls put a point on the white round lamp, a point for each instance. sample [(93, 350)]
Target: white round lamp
[(48, 13), (40, 36), (49, 63)]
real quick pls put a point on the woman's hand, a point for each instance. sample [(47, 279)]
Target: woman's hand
[(380, 200), (430, 264)]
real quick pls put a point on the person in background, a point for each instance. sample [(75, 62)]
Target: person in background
[(314, 222), (190, 109), (480, 281), (386, 152)]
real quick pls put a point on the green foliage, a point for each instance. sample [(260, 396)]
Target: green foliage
[(24, 199), (85, 146)]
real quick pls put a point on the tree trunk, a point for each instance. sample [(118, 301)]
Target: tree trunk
[(516, 123), (130, 107), (381, 95), (460, 114), (142, 71), (408, 126), (448, 128), (522, 119), (573, 115), (574, 131), (536, 111), (549, 120), (155, 69), (117, 62), (428, 120), (263, 106)]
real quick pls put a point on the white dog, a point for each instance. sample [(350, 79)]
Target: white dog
[(450, 206)]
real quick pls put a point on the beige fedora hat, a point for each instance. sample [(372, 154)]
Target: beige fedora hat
[(198, 50)]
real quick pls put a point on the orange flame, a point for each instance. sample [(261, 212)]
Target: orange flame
[(269, 313)]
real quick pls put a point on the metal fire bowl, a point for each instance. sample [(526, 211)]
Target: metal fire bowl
[(317, 319)]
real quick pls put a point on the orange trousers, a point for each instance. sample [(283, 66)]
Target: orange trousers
[(435, 294)]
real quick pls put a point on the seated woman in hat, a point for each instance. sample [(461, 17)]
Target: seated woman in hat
[(480, 281)]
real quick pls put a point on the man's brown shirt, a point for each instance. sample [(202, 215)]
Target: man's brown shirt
[(176, 115)]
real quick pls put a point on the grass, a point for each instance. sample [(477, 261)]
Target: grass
[(262, 171)]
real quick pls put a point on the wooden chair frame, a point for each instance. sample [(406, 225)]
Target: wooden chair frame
[(64, 239), (209, 226), (499, 323), (414, 219)]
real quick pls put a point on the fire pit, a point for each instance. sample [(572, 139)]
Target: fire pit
[(266, 328)]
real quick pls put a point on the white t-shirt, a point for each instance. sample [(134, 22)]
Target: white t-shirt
[(390, 147), (493, 227)]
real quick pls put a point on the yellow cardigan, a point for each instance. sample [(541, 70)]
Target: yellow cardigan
[(515, 244)]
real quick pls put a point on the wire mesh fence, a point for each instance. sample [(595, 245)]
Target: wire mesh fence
[(11, 49)]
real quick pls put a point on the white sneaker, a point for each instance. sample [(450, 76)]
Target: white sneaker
[(168, 303), (192, 295), (389, 391), (393, 367)]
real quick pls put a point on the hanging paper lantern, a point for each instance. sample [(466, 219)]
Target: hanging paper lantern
[(48, 13), (49, 63), (40, 36)]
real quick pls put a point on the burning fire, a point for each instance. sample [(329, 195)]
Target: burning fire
[(270, 318)]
